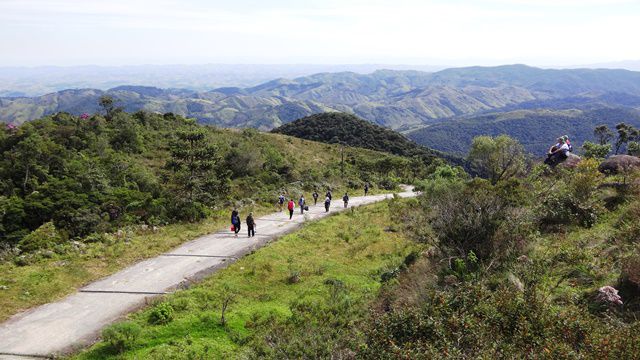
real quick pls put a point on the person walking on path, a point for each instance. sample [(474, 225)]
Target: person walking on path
[(301, 203), (366, 189), (235, 221), (291, 206), (315, 197), (345, 198), (251, 225), (327, 203), (329, 194), (281, 201)]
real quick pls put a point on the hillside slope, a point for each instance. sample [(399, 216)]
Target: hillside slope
[(347, 129)]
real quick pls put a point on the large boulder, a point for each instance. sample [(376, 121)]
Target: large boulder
[(571, 161), (619, 164)]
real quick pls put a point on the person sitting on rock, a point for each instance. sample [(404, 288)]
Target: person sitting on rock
[(558, 153)]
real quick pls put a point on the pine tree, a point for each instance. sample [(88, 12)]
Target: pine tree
[(197, 173)]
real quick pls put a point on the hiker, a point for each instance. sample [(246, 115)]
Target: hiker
[(235, 221), (301, 202), (557, 153), (366, 189), (281, 201), (315, 197), (291, 206), (327, 203), (251, 225), (345, 198), (328, 194), (568, 142)]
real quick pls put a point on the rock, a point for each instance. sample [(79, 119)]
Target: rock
[(571, 161), (524, 259), (619, 164), (4, 287), (608, 295), (451, 280), (515, 282)]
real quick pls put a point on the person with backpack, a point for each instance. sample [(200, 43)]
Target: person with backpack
[(568, 142), (315, 197), (291, 206), (558, 153), (251, 225), (345, 199), (301, 203), (366, 189), (281, 201), (327, 204), (235, 222)]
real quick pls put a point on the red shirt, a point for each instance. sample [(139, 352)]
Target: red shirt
[(291, 205)]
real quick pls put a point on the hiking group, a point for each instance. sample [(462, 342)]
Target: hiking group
[(291, 205)]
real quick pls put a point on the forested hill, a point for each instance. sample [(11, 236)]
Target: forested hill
[(347, 129), (534, 129)]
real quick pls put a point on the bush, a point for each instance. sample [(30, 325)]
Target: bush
[(595, 151), (121, 336), (574, 200), (161, 314), (44, 237), (473, 321), (467, 217)]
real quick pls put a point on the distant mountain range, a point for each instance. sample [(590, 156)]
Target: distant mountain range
[(423, 104), (41, 80)]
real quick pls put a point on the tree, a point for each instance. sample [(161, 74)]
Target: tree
[(198, 175), (626, 133), (497, 158), (107, 103), (595, 151), (603, 134)]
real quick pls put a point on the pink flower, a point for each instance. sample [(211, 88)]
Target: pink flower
[(84, 116), (11, 126)]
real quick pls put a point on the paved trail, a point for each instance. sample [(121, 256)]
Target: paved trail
[(75, 321)]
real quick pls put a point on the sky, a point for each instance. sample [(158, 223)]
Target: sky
[(424, 32)]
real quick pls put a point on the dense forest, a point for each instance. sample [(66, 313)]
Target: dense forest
[(349, 130), (534, 129), (66, 177)]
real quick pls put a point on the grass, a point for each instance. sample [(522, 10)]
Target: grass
[(352, 247), (49, 279)]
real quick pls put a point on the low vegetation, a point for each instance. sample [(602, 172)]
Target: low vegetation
[(299, 297)]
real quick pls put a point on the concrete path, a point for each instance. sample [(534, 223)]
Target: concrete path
[(75, 322)]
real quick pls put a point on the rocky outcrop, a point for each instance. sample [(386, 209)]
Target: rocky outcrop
[(619, 164), (571, 161)]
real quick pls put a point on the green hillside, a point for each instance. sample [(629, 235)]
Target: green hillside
[(100, 192), (535, 129), (541, 265), (347, 129)]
